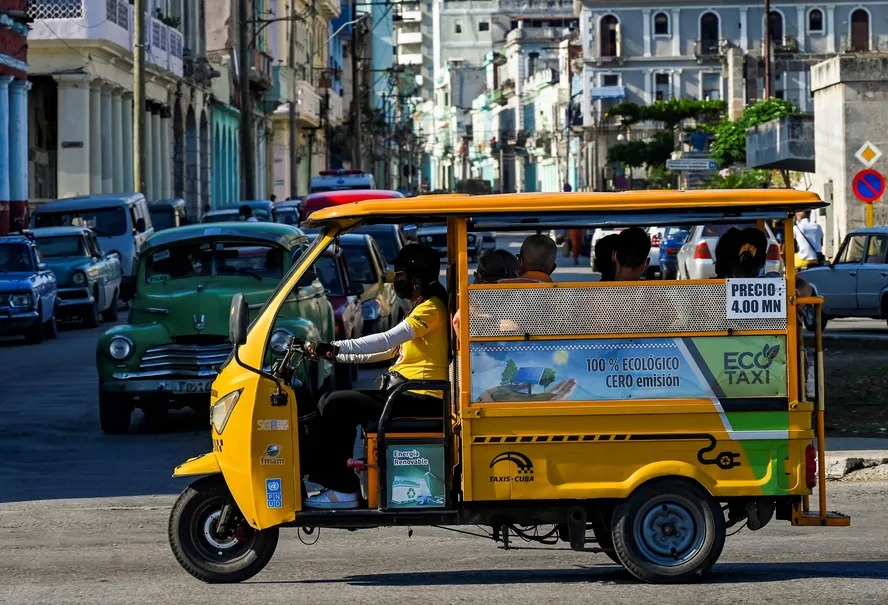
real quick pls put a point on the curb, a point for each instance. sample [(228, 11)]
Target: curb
[(839, 464)]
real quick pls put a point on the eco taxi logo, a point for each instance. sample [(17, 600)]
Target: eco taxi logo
[(271, 457), (749, 367), (523, 465)]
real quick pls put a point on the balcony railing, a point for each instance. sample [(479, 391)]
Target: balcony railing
[(109, 21), (308, 103), (261, 68), (710, 49)]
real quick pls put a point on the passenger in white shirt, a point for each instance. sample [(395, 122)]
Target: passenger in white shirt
[(809, 241)]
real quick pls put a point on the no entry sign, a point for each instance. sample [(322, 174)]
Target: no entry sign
[(868, 186)]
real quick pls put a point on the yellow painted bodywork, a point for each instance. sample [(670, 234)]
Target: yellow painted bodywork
[(205, 464)]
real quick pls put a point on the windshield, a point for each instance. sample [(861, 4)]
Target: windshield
[(288, 216), (387, 241), (216, 259), (105, 222), (162, 218), (15, 257), (360, 268), (68, 245), (679, 234), (329, 275)]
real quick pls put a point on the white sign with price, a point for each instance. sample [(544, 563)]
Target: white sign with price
[(757, 298)]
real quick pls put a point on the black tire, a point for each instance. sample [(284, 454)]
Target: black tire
[(51, 328), (343, 376), (91, 315), (110, 314), (114, 414), (600, 521), (668, 531), (155, 416), (809, 318), (231, 559), (36, 333)]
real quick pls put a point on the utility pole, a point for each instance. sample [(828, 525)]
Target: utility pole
[(139, 96), (767, 50), (294, 134), (356, 91), (246, 107)]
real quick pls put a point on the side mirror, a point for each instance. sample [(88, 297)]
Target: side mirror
[(140, 225), (238, 320), (389, 276), (307, 278), (41, 267)]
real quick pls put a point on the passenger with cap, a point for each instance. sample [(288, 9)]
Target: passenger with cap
[(536, 261), (420, 345)]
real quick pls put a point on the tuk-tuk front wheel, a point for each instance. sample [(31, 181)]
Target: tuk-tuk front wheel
[(669, 531), (212, 552)]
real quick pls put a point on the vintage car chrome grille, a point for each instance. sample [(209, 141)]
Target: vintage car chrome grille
[(606, 310), (186, 360)]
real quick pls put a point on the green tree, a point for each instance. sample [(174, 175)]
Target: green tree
[(729, 146), (669, 112), (509, 373), (547, 378), (747, 179)]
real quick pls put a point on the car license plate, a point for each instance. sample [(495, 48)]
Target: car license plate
[(188, 386)]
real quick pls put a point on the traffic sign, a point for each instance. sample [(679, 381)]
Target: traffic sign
[(690, 164), (868, 186), (868, 154)]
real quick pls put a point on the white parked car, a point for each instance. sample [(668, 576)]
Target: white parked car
[(696, 259)]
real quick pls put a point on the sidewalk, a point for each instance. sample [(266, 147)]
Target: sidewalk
[(845, 455)]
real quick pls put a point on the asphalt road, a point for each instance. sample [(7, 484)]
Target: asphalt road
[(83, 520)]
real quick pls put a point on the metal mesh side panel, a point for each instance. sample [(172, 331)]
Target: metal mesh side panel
[(606, 310), (55, 9)]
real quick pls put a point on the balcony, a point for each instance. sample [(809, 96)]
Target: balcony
[(710, 50), (335, 109), (104, 21), (786, 143), (410, 59), (405, 37), (261, 70), (308, 104), (282, 78), (496, 97)]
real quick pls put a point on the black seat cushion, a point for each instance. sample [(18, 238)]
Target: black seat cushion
[(409, 425)]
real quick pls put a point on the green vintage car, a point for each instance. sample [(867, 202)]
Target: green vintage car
[(168, 354), (89, 280)]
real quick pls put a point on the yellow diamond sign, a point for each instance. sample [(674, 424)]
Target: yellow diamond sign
[(868, 154)]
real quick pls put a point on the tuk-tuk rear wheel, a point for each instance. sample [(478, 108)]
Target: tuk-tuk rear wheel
[(230, 557), (668, 531)]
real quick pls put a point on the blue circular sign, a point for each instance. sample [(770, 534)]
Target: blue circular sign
[(868, 186)]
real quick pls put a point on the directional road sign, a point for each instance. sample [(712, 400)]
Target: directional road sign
[(690, 164), (868, 186)]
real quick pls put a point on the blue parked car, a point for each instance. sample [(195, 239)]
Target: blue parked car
[(671, 242), (28, 290)]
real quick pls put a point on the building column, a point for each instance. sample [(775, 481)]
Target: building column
[(95, 137), (676, 83), (126, 150), (646, 31), (5, 164), (744, 29), (801, 16), (675, 22), (165, 153), (830, 28), (158, 152), (117, 157), (18, 150), (107, 137), (148, 169), (648, 86), (73, 119)]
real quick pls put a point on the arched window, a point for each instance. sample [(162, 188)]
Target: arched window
[(775, 27), (860, 30), (661, 24), (609, 36), (709, 33), (815, 21)]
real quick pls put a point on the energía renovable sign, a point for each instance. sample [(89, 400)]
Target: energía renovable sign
[(756, 298)]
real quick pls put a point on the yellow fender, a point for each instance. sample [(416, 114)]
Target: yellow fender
[(205, 464)]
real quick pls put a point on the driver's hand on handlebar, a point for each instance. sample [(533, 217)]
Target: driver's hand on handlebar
[(323, 350)]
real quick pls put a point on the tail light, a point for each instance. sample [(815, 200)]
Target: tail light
[(810, 466), (655, 241), (773, 252), (702, 251), (671, 251)]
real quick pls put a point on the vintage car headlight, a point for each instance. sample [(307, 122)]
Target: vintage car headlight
[(78, 278), (120, 348), (278, 340), (222, 409), (20, 300), (370, 310), (425, 239), (472, 238)]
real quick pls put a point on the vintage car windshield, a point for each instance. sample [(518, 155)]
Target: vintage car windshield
[(329, 275), (214, 258), (61, 246), (387, 240), (15, 257), (360, 268), (288, 216), (162, 219), (105, 222)]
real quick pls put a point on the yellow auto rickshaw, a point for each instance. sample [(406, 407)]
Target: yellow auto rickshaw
[(688, 410)]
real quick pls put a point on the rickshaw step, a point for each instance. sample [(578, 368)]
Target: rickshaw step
[(815, 519)]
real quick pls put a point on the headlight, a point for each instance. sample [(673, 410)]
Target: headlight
[(78, 278), (278, 340), (20, 300), (426, 239), (471, 238), (120, 348), (221, 410), (370, 310)]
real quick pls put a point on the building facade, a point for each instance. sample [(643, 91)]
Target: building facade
[(14, 88)]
